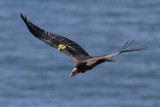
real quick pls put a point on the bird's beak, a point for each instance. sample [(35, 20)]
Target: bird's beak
[(74, 72)]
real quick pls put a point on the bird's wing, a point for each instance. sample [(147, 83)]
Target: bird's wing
[(61, 43), (128, 47)]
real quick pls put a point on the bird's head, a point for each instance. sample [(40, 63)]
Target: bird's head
[(74, 72), (79, 68)]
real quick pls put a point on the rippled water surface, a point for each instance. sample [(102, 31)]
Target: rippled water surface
[(33, 74)]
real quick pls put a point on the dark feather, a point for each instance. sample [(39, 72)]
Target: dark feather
[(128, 47), (72, 49)]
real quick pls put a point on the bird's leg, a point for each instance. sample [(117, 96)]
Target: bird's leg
[(74, 72)]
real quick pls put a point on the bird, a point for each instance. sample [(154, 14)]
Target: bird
[(82, 60)]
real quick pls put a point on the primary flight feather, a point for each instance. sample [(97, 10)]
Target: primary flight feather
[(82, 60)]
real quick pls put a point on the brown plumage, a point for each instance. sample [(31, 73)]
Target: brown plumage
[(82, 60)]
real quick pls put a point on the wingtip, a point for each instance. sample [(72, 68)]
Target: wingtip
[(23, 17), (128, 47), (20, 14)]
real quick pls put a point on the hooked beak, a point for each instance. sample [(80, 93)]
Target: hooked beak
[(74, 72)]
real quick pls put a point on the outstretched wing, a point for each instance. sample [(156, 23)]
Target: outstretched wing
[(128, 47), (61, 43)]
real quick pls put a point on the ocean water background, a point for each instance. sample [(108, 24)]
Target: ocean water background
[(33, 74)]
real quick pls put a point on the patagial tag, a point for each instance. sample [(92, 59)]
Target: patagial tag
[(61, 46)]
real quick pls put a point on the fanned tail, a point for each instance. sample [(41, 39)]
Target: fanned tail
[(128, 47)]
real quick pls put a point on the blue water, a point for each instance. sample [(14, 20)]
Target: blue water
[(33, 74)]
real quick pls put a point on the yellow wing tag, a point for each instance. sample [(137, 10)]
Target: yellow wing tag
[(91, 63), (61, 46)]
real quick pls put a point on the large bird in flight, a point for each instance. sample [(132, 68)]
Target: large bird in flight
[(82, 60)]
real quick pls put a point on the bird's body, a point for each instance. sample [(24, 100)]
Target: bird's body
[(82, 60)]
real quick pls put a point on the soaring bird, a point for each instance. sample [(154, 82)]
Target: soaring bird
[(82, 60)]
